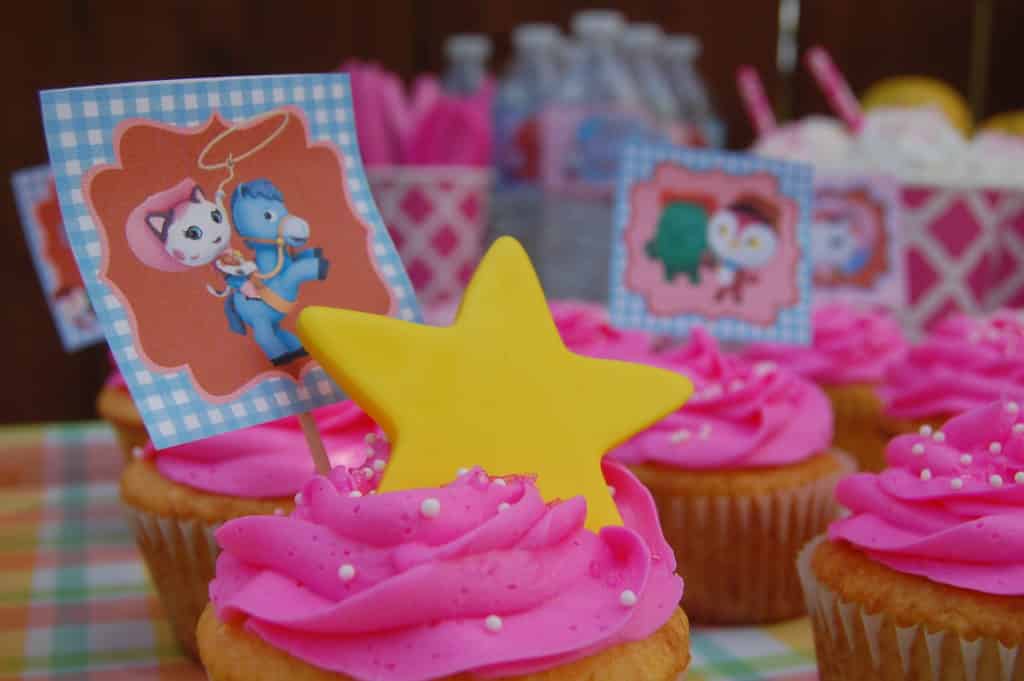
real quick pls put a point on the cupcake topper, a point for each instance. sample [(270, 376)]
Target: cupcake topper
[(497, 389)]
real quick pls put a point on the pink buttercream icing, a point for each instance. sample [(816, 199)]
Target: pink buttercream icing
[(273, 459), (496, 583), (850, 345), (742, 415), (586, 330), (950, 506), (964, 363)]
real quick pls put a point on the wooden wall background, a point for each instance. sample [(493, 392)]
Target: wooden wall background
[(51, 43)]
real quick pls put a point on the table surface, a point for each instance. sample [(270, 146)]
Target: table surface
[(76, 603)]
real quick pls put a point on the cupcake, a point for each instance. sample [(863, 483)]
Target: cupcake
[(586, 330), (925, 577), (742, 477), (964, 363), (480, 577), (177, 497), (847, 358), (115, 406)]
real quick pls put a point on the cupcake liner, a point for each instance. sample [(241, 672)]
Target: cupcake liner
[(181, 557), (852, 643), (858, 424), (736, 553)]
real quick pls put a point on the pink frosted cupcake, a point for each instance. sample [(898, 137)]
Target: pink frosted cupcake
[(964, 363), (177, 497), (742, 477), (114, 404), (586, 330), (479, 578), (925, 578), (847, 358)]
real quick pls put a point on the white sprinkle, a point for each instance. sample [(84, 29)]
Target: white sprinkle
[(346, 572), (500, 482), (462, 471), (368, 473), (956, 483), (493, 623), (368, 451), (736, 385), (712, 390), (278, 511), (627, 598), (679, 436), (762, 368), (925, 430), (705, 431), (504, 506), (137, 452), (966, 459), (995, 480), (298, 497), (1018, 428), (939, 436), (918, 449), (1019, 478), (430, 508), (1012, 407), (355, 494), (995, 447), (379, 465), (370, 438), (926, 474), (611, 490)]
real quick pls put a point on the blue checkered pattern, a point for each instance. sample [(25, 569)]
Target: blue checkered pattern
[(80, 124), (30, 187), (628, 308)]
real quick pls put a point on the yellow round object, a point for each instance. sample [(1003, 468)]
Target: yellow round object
[(1010, 122), (915, 91)]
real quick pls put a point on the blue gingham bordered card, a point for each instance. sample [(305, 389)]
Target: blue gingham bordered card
[(715, 239), (204, 214)]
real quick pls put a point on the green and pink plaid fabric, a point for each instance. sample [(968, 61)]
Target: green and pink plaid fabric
[(76, 603)]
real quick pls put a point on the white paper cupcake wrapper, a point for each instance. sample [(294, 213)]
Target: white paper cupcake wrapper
[(754, 586), (183, 584), (825, 607)]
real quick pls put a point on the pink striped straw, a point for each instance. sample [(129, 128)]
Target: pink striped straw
[(755, 101), (834, 86)]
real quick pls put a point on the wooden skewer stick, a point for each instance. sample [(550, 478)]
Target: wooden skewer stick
[(316, 445)]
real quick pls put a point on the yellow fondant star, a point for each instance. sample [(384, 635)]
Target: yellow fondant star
[(497, 389)]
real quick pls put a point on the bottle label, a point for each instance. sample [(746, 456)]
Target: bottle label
[(517, 148), (580, 147)]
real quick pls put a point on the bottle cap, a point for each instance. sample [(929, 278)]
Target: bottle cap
[(468, 46), (535, 36), (598, 24)]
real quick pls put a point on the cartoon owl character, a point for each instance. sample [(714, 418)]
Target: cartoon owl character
[(742, 237)]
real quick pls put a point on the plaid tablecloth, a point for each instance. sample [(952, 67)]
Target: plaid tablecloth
[(75, 601)]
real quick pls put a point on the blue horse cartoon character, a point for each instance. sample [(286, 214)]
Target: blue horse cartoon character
[(271, 232)]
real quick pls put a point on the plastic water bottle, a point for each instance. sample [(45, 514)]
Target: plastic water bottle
[(641, 45), (680, 59), (467, 55), (530, 83), (596, 108)]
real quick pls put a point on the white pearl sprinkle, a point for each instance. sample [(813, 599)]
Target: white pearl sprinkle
[(462, 471), (430, 508), (926, 474), (367, 473), (918, 449), (995, 447), (1012, 407), (504, 506), (762, 368), (939, 436), (736, 385), (1019, 478), (368, 451), (627, 598), (995, 480), (1018, 428), (370, 438), (379, 465), (355, 494), (705, 431), (278, 511), (956, 483), (346, 572), (137, 452), (298, 497), (966, 459), (493, 623), (925, 430), (679, 436), (500, 482), (611, 490)]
